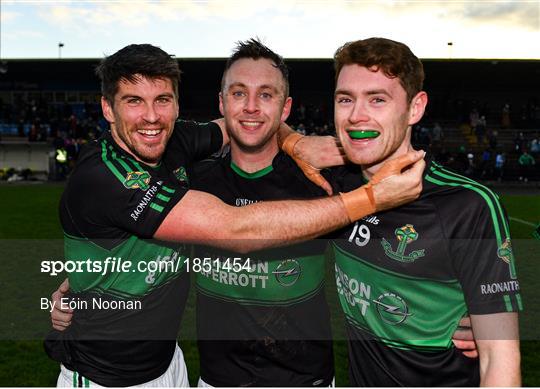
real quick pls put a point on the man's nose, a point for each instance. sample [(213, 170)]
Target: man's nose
[(359, 114), (150, 114), (251, 104)]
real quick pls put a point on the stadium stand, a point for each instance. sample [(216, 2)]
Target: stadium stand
[(477, 110)]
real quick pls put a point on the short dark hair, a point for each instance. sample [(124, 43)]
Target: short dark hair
[(144, 59), (254, 49), (395, 59)]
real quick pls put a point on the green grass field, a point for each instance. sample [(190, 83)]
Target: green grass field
[(30, 232)]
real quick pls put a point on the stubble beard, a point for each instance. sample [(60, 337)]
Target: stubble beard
[(142, 152)]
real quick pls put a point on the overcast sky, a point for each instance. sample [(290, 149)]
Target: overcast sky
[(295, 29)]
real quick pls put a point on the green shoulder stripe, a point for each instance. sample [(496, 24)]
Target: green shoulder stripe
[(513, 306), (167, 189), (157, 207), (122, 161), (519, 303), (485, 188), (495, 197), (117, 164), (108, 162), (138, 165), (508, 303), (443, 178), (163, 198)]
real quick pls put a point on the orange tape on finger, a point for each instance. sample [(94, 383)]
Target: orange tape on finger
[(359, 202), (390, 168), (311, 172), (289, 142)]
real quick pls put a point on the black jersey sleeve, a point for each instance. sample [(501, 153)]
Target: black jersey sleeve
[(111, 201), (481, 251), (198, 140), (143, 210)]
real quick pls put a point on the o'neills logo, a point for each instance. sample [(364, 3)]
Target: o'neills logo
[(181, 174), (287, 272), (137, 180)]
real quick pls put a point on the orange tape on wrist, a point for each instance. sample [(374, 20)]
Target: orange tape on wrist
[(359, 202)]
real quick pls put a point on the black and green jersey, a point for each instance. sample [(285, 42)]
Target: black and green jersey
[(405, 277), (267, 324), (124, 332)]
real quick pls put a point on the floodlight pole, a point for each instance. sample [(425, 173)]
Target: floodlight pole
[(60, 45)]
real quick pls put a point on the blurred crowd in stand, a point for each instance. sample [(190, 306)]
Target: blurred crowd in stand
[(480, 141), (67, 127)]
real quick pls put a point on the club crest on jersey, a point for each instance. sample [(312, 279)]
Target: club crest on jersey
[(181, 174), (505, 253), (137, 180), (287, 272), (405, 235)]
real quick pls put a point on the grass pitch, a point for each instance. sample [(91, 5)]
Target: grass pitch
[(30, 231)]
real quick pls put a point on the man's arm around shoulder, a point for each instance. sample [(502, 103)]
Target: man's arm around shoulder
[(202, 218)]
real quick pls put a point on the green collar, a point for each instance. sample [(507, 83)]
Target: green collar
[(253, 175)]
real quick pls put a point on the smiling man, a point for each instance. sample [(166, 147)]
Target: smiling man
[(275, 329), (406, 276), (128, 197)]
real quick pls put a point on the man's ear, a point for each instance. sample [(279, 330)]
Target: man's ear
[(107, 110), (417, 107), (221, 110), (286, 109)]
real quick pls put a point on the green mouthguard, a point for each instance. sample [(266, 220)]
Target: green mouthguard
[(369, 134)]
